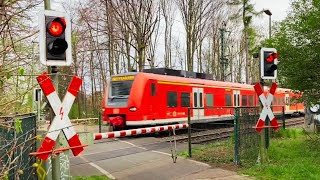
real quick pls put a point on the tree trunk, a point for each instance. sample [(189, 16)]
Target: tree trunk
[(166, 42), (170, 52), (127, 37), (245, 41)]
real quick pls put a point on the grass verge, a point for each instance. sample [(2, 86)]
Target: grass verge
[(292, 154)]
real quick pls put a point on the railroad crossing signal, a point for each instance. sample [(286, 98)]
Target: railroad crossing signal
[(268, 63), (61, 121), (55, 38), (266, 111)]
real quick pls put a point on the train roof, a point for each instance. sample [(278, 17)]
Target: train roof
[(196, 81)]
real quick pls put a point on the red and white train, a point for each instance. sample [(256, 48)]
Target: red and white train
[(162, 97)]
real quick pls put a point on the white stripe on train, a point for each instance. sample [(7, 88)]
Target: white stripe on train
[(185, 119)]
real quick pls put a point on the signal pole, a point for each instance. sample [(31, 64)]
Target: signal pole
[(54, 71), (223, 59)]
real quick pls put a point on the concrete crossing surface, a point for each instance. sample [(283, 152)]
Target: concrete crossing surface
[(142, 158)]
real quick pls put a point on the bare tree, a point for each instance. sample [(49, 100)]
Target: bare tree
[(194, 14), (167, 9), (151, 50), (140, 21)]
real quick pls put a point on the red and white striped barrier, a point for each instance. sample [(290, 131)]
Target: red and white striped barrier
[(132, 132), (266, 111), (61, 121)]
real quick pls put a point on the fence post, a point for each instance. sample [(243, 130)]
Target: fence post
[(283, 118), (236, 136), (189, 133)]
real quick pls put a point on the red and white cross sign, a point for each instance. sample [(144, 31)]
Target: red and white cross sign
[(266, 111), (61, 121)]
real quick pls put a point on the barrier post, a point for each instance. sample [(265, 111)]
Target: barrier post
[(189, 132), (99, 119)]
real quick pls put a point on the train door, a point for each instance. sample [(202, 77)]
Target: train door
[(236, 98), (198, 102), (287, 102)]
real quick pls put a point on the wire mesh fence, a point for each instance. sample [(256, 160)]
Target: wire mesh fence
[(208, 125), (234, 125), (246, 141), (17, 140)]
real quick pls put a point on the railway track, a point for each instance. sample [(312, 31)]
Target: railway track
[(201, 137)]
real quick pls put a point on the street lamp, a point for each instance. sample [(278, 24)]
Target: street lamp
[(268, 12)]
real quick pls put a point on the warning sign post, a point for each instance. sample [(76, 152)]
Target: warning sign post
[(262, 123), (60, 123)]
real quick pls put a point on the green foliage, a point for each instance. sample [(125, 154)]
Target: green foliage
[(18, 126), (297, 41), (74, 113), (21, 71), (247, 7)]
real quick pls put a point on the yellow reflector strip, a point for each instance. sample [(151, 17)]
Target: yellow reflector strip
[(173, 83), (122, 78)]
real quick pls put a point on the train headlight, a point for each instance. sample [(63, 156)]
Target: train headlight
[(133, 109)]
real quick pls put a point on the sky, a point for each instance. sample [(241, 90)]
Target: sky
[(278, 8)]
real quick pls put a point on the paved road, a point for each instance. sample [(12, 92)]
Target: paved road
[(141, 158)]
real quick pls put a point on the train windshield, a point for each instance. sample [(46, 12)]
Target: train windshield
[(120, 88)]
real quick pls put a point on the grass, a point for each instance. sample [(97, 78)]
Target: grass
[(293, 154), (218, 154), (91, 178)]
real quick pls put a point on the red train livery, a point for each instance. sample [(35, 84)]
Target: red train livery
[(141, 98)]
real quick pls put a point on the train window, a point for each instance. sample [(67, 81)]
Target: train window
[(201, 103), (238, 97), (244, 100), (283, 102), (228, 100), (234, 99), (279, 101), (195, 99), (172, 99), (185, 99), (288, 100), (250, 100), (274, 101), (209, 100), (153, 89)]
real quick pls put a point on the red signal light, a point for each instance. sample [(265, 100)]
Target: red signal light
[(272, 57), (57, 26)]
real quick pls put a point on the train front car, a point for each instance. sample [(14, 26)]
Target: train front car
[(119, 101)]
